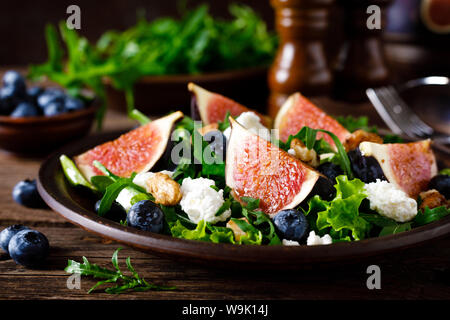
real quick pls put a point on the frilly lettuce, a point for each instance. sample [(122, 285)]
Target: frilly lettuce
[(340, 217)]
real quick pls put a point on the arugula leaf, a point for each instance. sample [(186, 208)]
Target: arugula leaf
[(392, 138), (445, 171), (308, 136), (225, 124), (352, 123), (139, 116), (102, 182), (252, 235), (260, 220), (428, 215), (395, 228), (133, 283)]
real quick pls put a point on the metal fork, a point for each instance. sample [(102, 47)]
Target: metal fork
[(400, 118)]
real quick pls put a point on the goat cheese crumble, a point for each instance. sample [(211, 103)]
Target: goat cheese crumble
[(391, 202), (314, 240), (286, 242), (201, 202), (251, 122)]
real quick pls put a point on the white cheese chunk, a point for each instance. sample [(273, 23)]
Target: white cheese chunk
[(201, 202), (286, 242), (314, 240), (251, 122), (391, 202)]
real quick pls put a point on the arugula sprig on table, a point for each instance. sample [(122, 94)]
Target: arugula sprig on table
[(125, 283)]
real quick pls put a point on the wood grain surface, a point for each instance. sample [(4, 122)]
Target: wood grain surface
[(422, 272)]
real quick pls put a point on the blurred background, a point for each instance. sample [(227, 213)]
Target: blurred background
[(408, 40)]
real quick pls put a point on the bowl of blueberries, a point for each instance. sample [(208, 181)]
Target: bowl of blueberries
[(36, 120)]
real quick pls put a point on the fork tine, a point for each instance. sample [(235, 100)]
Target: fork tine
[(375, 97), (423, 128), (395, 110)]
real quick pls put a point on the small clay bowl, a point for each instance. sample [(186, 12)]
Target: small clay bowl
[(40, 135)]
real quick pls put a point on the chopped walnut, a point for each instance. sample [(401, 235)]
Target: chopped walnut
[(165, 190), (353, 141), (238, 232), (301, 152), (432, 199)]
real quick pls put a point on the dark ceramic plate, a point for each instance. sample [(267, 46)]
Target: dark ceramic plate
[(77, 206)]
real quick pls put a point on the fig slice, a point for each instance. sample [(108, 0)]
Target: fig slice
[(212, 107), (259, 169), (135, 151), (298, 112), (409, 166)]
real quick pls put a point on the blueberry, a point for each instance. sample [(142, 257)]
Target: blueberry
[(49, 96), (291, 224), (8, 233), (54, 108), (442, 184), (330, 170), (26, 194), (34, 92), (28, 248), (367, 169), (217, 142), (116, 213), (146, 215), (324, 187), (8, 99), (73, 104), (24, 109), (13, 79)]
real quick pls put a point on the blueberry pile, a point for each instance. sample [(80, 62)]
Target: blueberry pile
[(25, 246), (17, 101)]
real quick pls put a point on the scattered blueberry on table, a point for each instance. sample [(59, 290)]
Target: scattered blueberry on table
[(18, 101), (146, 215), (25, 246), (8, 233), (25, 193), (29, 248)]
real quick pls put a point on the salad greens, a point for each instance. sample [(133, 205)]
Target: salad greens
[(195, 43), (346, 217), (126, 283), (309, 137), (340, 217), (352, 124)]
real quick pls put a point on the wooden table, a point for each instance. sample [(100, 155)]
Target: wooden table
[(421, 272)]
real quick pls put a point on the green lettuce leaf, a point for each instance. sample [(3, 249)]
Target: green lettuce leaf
[(340, 217)]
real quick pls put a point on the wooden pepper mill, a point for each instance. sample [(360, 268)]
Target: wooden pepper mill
[(361, 61), (300, 63)]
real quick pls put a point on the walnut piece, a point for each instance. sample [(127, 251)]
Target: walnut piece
[(304, 154), (165, 190), (432, 199), (353, 141)]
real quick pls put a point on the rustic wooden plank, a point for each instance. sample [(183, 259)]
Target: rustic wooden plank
[(413, 273)]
